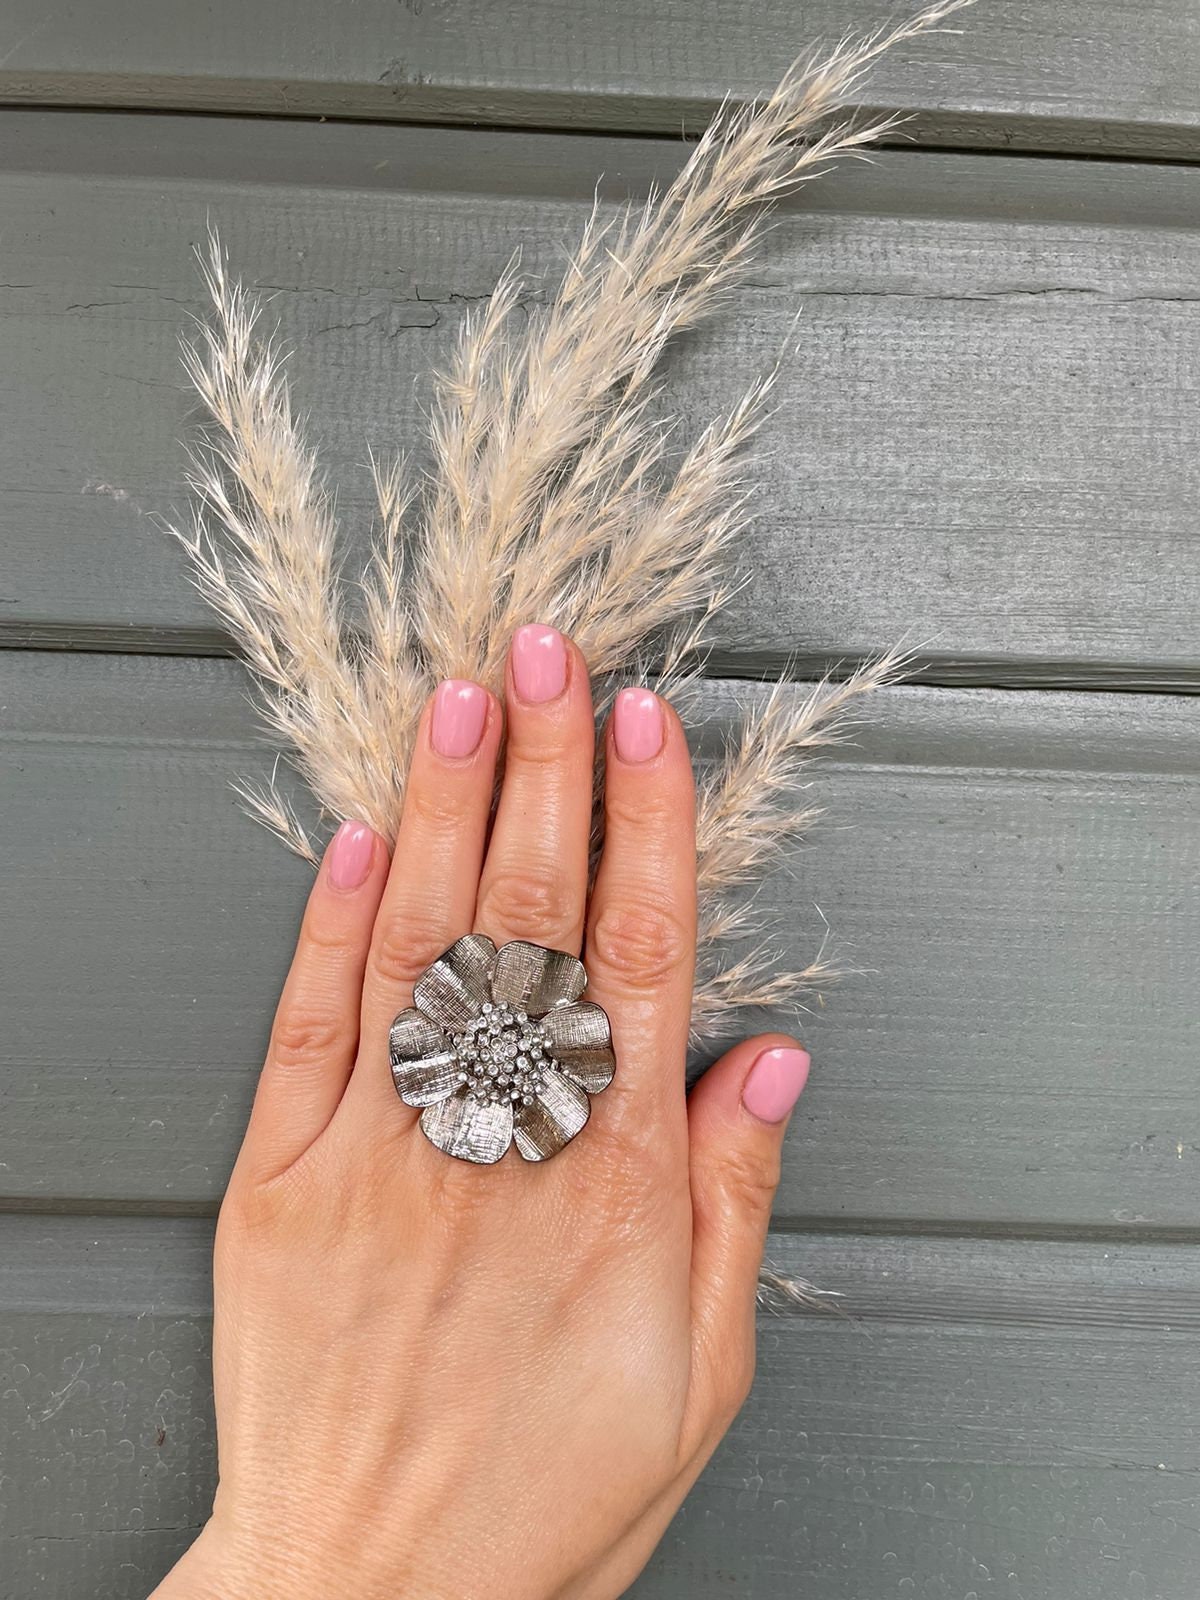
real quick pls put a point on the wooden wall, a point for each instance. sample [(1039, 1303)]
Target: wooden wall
[(988, 442)]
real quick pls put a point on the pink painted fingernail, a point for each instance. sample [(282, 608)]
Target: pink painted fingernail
[(774, 1083), (349, 855), (460, 710), (539, 663), (637, 725)]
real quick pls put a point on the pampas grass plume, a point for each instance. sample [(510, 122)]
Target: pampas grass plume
[(554, 495)]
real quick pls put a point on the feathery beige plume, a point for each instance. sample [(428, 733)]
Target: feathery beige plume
[(270, 575), (553, 497), (543, 435)]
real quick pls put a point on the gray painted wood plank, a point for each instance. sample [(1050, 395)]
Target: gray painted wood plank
[(987, 439), (1089, 75), (975, 1452), (999, 1417), (1014, 875)]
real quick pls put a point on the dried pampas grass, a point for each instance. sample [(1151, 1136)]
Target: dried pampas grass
[(553, 496)]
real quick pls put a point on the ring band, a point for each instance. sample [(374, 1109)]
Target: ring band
[(498, 1048)]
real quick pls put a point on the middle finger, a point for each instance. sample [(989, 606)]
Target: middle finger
[(534, 880)]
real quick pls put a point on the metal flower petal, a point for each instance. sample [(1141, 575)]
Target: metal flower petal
[(534, 978), (497, 1046), (580, 1040), (425, 1064), (473, 1130), (558, 1112), (455, 987)]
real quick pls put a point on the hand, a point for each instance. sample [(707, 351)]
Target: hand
[(444, 1381)]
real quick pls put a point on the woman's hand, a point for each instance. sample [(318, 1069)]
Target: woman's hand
[(444, 1381)]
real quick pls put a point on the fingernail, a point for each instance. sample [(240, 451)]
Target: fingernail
[(637, 725), (539, 663), (349, 857), (459, 712), (775, 1082)]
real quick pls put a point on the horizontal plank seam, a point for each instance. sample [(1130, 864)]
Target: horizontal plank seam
[(1098, 1233), (946, 672), (399, 302), (980, 771), (1002, 125), (784, 1226)]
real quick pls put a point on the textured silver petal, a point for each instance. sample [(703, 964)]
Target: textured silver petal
[(425, 1067), (453, 989), (580, 1040), (472, 1130), (554, 1118), (534, 978)]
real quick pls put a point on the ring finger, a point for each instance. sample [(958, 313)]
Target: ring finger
[(532, 890), (532, 893)]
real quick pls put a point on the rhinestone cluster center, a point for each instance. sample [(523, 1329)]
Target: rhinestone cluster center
[(501, 1055)]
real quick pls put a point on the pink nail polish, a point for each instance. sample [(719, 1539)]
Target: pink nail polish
[(459, 713), (539, 663), (637, 725), (774, 1083), (349, 856)]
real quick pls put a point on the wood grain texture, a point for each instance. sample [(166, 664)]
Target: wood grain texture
[(1014, 874), (987, 439), (1014, 1419), (1088, 75)]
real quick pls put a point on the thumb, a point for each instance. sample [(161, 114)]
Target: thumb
[(737, 1115)]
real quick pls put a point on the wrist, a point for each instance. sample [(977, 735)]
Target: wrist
[(215, 1567), (221, 1566), (203, 1572)]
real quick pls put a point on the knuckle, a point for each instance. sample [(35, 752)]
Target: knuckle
[(631, 1179), (261, 1209), (750, 1179), (329, 940), (639, 946), (655, 813), (634, 1188), (462, 1208), (538, 756), (437, 809), (404, 946), (249, 1211), (304, 1037), (536, 904)]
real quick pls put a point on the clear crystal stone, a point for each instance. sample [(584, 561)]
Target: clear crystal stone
[(501, 1056)]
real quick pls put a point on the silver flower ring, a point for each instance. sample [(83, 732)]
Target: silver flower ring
[(498, 1047)]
